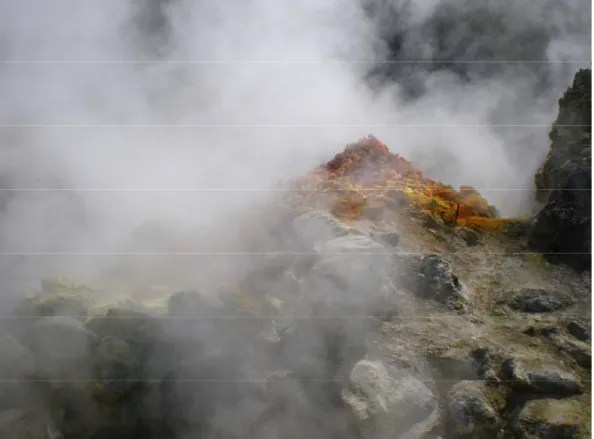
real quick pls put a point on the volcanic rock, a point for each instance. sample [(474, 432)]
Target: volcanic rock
[(531, 300), (531, 377), (385, 404), (473, 411), (438, 282), (562, 229), (548, 419)]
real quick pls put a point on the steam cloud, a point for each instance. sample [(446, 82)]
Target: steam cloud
[(129, 73)]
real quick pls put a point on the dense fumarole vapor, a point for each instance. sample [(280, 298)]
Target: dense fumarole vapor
[(84, 86), (152, 126)]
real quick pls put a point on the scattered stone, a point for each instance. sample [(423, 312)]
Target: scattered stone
[(549, 419), (439, 283), (473, 411), (385, 405), (534, 300), (579, 330), (525, 376), (541, 330)]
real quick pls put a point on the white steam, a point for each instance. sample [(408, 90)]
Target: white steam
[(179, 94)]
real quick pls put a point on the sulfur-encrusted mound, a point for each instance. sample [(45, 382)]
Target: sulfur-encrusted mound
[(367, 180)]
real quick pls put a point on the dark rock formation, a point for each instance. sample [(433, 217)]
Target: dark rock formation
[(472, 411), (548, 418), (532, 300), (524, 377), (562, 229), (438, 282)]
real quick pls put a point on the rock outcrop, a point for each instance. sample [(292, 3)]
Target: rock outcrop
[(562, 229)]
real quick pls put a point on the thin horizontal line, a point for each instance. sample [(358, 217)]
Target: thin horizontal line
[(283, 126), (159, 380), (269, 317), (267, 190), (277, 253), (217, 62)]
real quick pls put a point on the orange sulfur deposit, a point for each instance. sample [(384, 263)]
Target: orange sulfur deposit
[(367, 178)]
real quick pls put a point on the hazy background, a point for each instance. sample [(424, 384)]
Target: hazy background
[(181, 112)]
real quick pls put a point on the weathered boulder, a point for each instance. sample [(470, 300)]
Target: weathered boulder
[(578, 329), (535, 300), (525, 376), (550, 419), (439, 283), (350, 270), (473, 411), (62, 347), (562, 229), (385, 404)]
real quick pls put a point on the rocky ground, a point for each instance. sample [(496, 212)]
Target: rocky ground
[(374, 332), (398, 327)]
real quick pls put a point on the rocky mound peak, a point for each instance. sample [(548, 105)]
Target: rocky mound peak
[(367, 179)]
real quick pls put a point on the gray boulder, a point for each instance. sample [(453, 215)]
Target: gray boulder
[(386, 404), (348, 270), (439, 283), (535, 300), (549, 419), (535, 377), (473, 411)]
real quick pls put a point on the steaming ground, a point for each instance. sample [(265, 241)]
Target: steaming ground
[(185, 114)]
